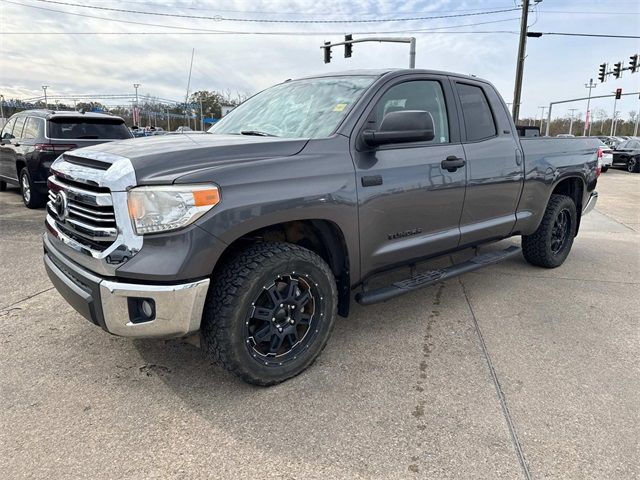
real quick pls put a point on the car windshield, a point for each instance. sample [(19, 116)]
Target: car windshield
[(310, 108)]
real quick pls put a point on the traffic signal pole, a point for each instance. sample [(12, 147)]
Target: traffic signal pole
[(577, 100), (613, 119), (348, 41)]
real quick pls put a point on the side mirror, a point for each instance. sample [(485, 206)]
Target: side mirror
[(400, 127)]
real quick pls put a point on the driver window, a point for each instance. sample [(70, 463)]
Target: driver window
[(424, 95)]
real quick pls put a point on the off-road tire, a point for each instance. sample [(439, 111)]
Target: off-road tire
[(633, 165), (537, 247), (237, 283), (31, 197)]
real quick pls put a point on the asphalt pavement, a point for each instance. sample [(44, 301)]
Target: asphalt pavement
[(511, 372)]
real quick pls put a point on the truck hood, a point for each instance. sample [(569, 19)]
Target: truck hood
[(162, 159)]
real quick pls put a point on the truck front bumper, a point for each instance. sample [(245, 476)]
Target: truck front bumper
[(128, 309), (591, 203)]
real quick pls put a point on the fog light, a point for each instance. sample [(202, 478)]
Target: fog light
[(141, 309), (147, 308)]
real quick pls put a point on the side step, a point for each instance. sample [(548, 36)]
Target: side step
[(429, 278)]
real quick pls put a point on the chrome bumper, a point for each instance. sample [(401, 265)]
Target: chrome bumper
[(178, 308), (591, 203)]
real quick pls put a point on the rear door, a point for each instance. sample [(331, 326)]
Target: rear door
[(409, 206), (495, 166)]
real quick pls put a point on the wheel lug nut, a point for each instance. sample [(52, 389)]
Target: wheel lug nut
[(280, 329), (291, 320)]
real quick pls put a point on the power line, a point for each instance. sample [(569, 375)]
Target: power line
[(256, 20), (195, 30), (419, 32)]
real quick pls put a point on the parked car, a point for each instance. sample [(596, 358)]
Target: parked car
[(31, 140), (565, 135), (605, 155), (256, 233), (627, 153), (183, 129)]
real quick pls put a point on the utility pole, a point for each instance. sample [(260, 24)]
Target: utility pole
[(2, 111), (587, 121), (542, 118), (572, 110), (44, 89), (522, 49), (168, 120)]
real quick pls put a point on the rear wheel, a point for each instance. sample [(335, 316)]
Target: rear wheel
[(551, 243), (269, 312), (3, 186), (633, 165), (31, 197)]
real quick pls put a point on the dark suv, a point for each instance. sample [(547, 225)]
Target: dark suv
[(31, 140)]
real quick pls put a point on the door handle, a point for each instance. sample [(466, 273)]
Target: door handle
[(452, 163)]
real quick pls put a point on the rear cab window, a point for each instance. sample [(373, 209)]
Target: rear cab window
[(87, 128), (478, 118)]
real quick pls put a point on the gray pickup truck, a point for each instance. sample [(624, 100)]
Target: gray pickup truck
[(257, 233)]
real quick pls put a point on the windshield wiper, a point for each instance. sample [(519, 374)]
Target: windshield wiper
[(257, 133)]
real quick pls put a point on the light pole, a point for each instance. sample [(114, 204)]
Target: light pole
[(571, 121), (587, 121), (613, 120), (44, 89), (542, 117), (614, 123), (2, 111), (136, 112)]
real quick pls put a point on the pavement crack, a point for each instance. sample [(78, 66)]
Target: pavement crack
[(496, 382), (9, 307), (616, 220)]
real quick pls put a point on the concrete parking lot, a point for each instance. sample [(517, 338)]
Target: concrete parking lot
[(509, 372)]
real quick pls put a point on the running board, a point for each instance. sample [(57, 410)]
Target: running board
[(429, 278)]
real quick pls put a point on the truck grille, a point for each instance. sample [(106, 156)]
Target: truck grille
[(82, 211)]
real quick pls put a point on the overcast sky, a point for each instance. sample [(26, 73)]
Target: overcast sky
[(557, 67)]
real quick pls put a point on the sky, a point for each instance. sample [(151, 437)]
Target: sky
[(557, 67)]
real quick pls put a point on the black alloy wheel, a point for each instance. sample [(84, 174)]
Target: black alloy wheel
[(281, 322), (560, 231)]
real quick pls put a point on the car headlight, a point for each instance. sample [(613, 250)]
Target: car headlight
[(156, 209)]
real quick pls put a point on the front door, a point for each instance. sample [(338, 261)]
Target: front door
[(409, 205)]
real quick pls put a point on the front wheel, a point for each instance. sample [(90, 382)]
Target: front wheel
[(633, 165), (269, 312), (551, 243)]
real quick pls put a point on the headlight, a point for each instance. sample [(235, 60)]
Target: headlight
[(163, 208)]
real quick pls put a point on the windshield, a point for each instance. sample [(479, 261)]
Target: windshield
[(310, 108)]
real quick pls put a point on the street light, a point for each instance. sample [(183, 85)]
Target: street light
[(136, 113), (44, 89)]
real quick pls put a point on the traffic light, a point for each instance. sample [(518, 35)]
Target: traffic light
[(327, 52), (633, 63), (348, 48), (618, 93), (602, 72), (617, 69)]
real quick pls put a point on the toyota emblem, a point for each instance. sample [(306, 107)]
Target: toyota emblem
[(60, 205)]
